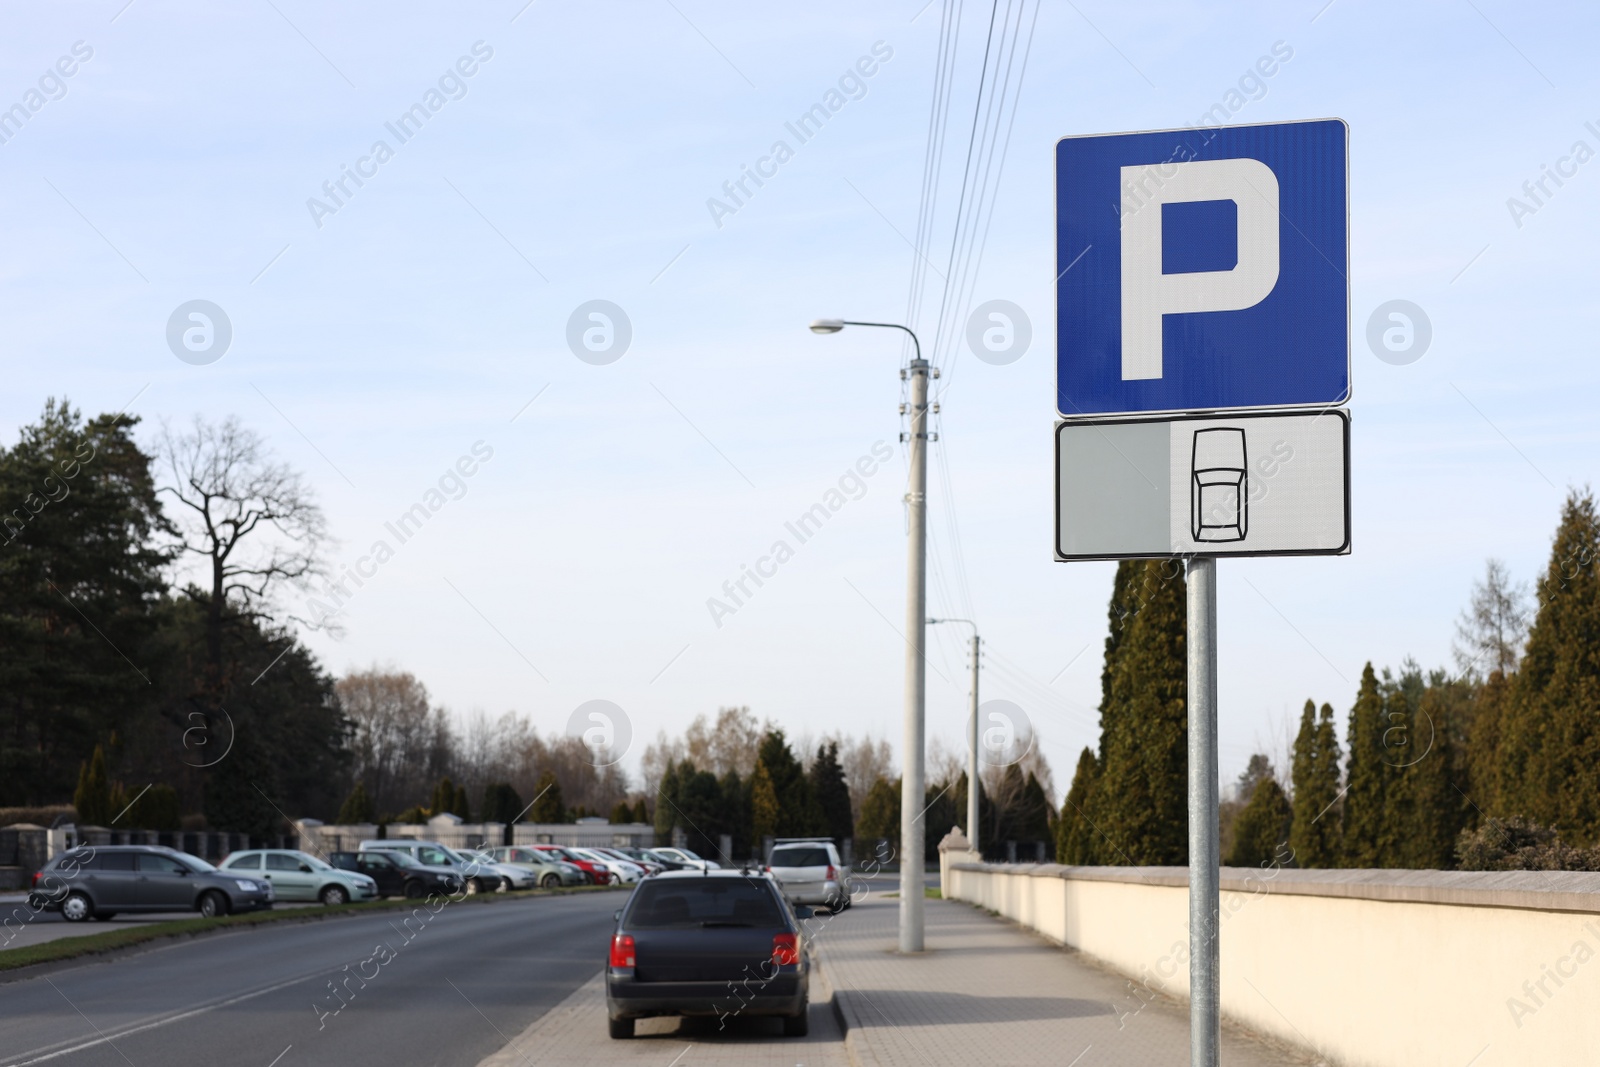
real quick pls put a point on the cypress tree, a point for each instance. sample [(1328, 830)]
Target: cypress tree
[(735, 815), (501, 803), (357, 807), (666, 805), (880, 813), (444, 796), (548, 808), (641, 812), (92, 799), (1263, 826), (1142, 795), (765, 811), (459, 804), (1076, 837), (1550, 733), (1314, 835), (1365, 799), (828, 785)]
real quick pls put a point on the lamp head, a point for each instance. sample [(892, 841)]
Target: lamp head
[(827, 325)]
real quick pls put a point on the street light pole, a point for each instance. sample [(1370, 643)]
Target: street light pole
[(912, 788), (972, 742)]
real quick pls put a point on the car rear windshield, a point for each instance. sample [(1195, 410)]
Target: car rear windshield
[(799, 857), (687, 902)]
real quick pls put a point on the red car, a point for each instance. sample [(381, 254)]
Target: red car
[(597, 874)]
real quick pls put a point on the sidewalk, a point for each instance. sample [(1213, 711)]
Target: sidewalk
[(988, 992), (573, 1034)]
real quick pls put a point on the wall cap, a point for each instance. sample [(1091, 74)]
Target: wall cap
[(1532, 890)]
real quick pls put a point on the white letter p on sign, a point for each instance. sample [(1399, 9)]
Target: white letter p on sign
[(1148, 294)]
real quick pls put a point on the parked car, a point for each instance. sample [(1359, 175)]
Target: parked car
[(810, 872), (397, 874), (652, 856), (511, 876), (688, 859), (101, 880), (550, 871), (648, 866), (708, 943), (623, 871), (297, 875), (433, 854), (596, 872)]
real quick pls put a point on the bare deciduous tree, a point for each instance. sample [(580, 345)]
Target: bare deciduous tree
[(1492, 629), (402, 744), (252, 521)]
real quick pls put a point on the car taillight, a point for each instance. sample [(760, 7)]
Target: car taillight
[(832, 874), (35, 883), (622, 950), (785, 949)]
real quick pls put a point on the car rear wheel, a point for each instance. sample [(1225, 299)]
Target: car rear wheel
[(551, 881), (505, 886), (333, 896), (622, 1029), (414, 890), (213, 905), (473, 887), (76, 908), (798, 1025)]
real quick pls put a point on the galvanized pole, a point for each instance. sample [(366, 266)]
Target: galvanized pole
[(912, 801), (1204, 846), (972, 754)]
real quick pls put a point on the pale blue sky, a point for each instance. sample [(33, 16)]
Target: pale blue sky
[(433, 305)]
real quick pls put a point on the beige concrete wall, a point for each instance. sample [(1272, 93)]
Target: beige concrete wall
[(1490, 980)]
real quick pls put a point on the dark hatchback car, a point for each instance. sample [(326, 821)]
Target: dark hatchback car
[(397, 874), (101, 880), (711, 943)]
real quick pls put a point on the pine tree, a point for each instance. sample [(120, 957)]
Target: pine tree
[(357, 807), (93, 796), (1550, 733), (828, 785), (548, 808), (1366, 794), (1076, 837), (641, 812), (1263, 826), (1141, 801)]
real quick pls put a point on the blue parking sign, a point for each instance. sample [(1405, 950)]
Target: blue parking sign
[(1203, 269)]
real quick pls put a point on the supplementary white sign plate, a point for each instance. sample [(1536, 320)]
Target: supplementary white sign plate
[(1251, 484)]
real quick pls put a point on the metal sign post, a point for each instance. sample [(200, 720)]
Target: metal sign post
[(1205, 846)]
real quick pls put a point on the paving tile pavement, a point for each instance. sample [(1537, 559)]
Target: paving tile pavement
[(573, 1034), (988, 992)]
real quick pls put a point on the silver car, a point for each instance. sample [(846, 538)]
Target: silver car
[(811, 873), (549, 872)]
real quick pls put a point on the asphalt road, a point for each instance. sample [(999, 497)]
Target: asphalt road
[(443, 989)]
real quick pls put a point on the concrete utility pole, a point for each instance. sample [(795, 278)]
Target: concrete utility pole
[(972, 741), (912, 789), (1205, 875)]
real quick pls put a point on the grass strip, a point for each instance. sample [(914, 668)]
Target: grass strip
[(66, 948)]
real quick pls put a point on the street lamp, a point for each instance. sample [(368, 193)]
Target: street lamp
[(972, 740), (912, 788)]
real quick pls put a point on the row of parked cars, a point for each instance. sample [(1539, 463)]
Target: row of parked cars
[(98, 882)]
